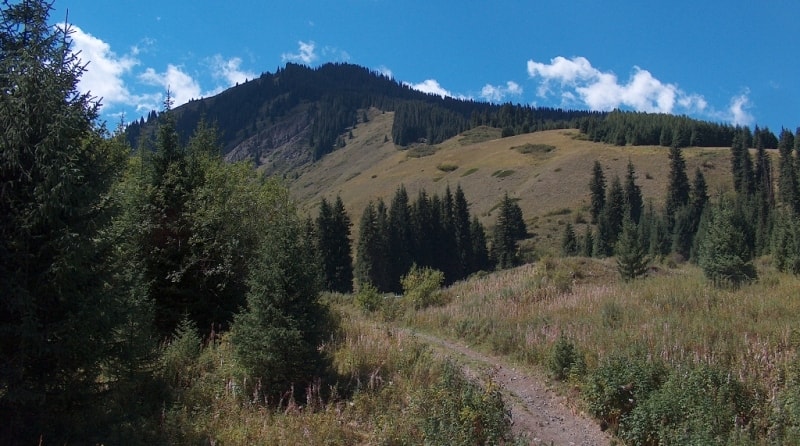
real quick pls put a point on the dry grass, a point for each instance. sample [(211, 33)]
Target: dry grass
[(674, 315), (369, 168)]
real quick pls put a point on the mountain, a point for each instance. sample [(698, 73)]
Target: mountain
[(297, 115)]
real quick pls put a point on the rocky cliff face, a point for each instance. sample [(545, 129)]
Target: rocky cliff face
[(278, 148)]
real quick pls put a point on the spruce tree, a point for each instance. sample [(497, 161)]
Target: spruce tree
[(678, 186), (63, 313), (333, 247), (508, 230), (401, 237), (633, 194), (463, 235), (787, 172), (610, 222), (277, 337), (372, 264), (597, 188), (569, 241), (631, 256), (480, 251), (723, 252)]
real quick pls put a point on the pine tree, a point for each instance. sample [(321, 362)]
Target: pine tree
[(633, 194), (569, 241), (588, 242), (480, 252), (332, 230), (63, 313), (597, 188), (631, 257), (678, 186), (508, 230), (277, 337), (372, 264), (610, 221), (787, 172), (401, 237), (463, 234), (723, 253)]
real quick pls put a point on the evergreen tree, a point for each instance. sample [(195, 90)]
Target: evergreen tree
[(587, 244), (678, 186), (333, 247), (722, 251), (277, 337), (463, 235), (509, 229), (401, 237), (787, 172), (64, 314), (610, 222), (631, 257), (372, 263), (597, 188), (633, 194), (569, 241), (480, 252)]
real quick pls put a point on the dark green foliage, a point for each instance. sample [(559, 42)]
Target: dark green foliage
[(481, 260), (723, 252), (700, 405), (64, 316), (619, 383), (372, 264), (278, 335), (458, 411), (610, 221), (678, 186), (509, 229), (569, 241), (597, 188), (786, 242), (566, 360), (633, 194), (332, 229), (631, 256), (465, 256), (788, 191), (635, 128), (401, 237), (587, 245), (741, 162)]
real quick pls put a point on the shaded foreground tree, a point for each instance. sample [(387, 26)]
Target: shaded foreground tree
[(277, 338), (722, 249), (67, 357)]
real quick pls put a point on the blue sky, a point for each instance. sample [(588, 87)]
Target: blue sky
[(723, 61)]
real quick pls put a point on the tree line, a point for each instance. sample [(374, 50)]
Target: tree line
[(757, 217)]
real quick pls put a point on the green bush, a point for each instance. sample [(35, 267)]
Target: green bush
[(368, 299), (179, 357), (701, 405), (565, 360), (619, 383), (458, 411), (421, 286)]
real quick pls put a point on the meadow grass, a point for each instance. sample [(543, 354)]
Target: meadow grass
[(673, 316), (386, 389)]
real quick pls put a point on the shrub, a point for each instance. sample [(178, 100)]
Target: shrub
[(700, 405), (565, 360), (368, 299), (445, 167), (180, 355), (421, 286), (619, 382)]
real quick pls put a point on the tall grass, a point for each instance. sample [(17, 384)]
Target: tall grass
[(673, 316), (387, 389)]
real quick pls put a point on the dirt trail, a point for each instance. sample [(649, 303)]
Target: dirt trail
[(538, 413)]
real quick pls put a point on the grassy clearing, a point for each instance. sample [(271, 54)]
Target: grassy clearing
[(387, 389), (673, 317)]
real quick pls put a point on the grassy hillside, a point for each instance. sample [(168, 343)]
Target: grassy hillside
[(551, 185)]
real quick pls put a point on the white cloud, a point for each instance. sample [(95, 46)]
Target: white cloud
[(498, 93), (580, 84), (737, 113), (104, 73), (384, 70), (305, 53), (430, 86), (182, 86), (229, 70)]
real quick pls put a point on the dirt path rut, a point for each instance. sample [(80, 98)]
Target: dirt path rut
[(538, 413)]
